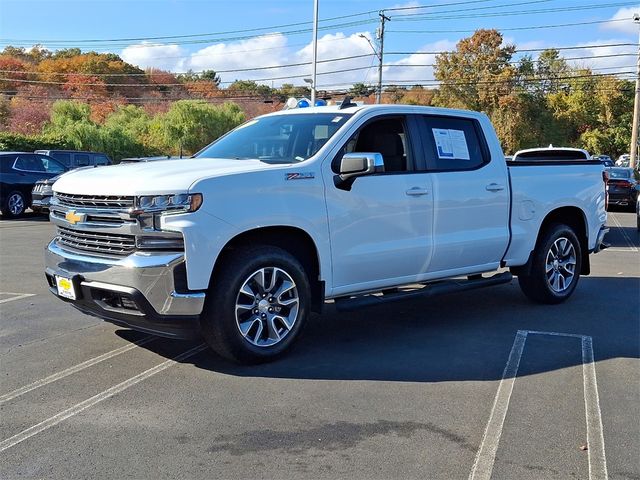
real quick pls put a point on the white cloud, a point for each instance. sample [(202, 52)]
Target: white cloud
[(153, 55), (605, 59), (263, 51), (340, 45), (407, 8), (624, 14), (410, 68)]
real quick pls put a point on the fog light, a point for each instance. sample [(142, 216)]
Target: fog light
[(160, 243)]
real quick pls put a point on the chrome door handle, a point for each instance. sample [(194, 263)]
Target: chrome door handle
[(494, 187), (417, 191)]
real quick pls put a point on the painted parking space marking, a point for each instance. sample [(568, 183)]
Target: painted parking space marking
[(15, 296), (626, 237), (110, 392), (71, 370), (486, 455)]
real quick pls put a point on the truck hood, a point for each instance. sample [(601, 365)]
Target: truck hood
[(144, 178)]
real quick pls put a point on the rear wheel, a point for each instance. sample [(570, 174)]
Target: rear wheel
[(257, 305), (555, 268), (14, 205)]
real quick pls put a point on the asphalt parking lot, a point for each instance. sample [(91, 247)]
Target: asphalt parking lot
[(478, 385)]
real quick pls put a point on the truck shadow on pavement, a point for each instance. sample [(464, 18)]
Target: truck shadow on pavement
[(464, 337)]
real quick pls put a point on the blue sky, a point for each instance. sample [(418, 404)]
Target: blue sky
[(72, 22)]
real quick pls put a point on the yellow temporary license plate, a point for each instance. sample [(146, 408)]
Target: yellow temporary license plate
[(65, 288)]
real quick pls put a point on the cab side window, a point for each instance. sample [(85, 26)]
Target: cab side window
[(453, 143), (29, 163), (387, 137)]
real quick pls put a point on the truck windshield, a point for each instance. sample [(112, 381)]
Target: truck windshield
[(277, 139)]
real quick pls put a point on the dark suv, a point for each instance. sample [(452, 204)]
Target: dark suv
[(77, 158), (19, 172)]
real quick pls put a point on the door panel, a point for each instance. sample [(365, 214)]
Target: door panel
[(381, 229), (471, 195), (378, 231)]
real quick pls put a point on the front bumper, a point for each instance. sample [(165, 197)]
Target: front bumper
[(144, 291), (40, 202)]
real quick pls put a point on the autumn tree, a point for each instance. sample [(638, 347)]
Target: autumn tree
[(359, 89), (248, 87), (476, 74)]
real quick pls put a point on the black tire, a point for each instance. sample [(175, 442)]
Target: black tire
[(538, 284), (220, 327), (14, 205)]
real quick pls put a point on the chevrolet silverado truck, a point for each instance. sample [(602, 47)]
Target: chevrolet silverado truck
[(356, 204)]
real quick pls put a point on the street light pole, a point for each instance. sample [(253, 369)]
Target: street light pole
[(315, 52)]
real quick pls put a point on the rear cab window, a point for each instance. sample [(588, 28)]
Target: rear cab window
[(453, 143)]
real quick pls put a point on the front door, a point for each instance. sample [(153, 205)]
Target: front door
[(380, 230)]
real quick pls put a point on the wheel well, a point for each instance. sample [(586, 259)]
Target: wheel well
[(291, 239), (574, 218)]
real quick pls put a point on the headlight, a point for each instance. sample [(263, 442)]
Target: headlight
[(177, 203)]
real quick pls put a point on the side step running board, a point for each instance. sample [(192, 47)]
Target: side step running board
[(345, 304)]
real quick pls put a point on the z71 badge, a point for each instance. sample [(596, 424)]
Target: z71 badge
[(299, 176)]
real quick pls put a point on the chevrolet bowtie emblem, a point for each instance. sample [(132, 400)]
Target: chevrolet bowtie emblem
[(72, 217)]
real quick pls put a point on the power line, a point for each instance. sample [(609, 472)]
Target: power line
[(367, 21), (532, 27), (151, 74), (429, 81), (421, 17), (576, 47), (272, 27)]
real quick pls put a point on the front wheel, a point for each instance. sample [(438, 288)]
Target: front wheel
[(555, 268), (257, 305)]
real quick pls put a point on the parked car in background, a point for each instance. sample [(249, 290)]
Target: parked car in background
[(42, 193), (638, 213), (622, 186), (19, 172), (78, 158), (72, 159), (552, 154), (623, 160), (603, 159)]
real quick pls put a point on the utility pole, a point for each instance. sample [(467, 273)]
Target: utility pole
[(636, 106), (380, 36), (315, 52)]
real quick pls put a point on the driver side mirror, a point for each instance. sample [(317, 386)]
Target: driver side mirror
[(354, 165)]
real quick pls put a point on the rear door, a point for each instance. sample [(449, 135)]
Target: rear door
[(471, 195)]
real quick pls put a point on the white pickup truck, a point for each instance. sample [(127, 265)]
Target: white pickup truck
[(240, 243)]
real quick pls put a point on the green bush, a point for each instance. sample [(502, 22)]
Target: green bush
[(28, 143)]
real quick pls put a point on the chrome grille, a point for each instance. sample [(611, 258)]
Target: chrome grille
[(96, 242), (94, 201)]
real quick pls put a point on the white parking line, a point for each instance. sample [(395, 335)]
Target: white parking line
[(486, 455), (595, 436), (79, 407), (16, 296), (624, 234), (485, 458), (71, 370)]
